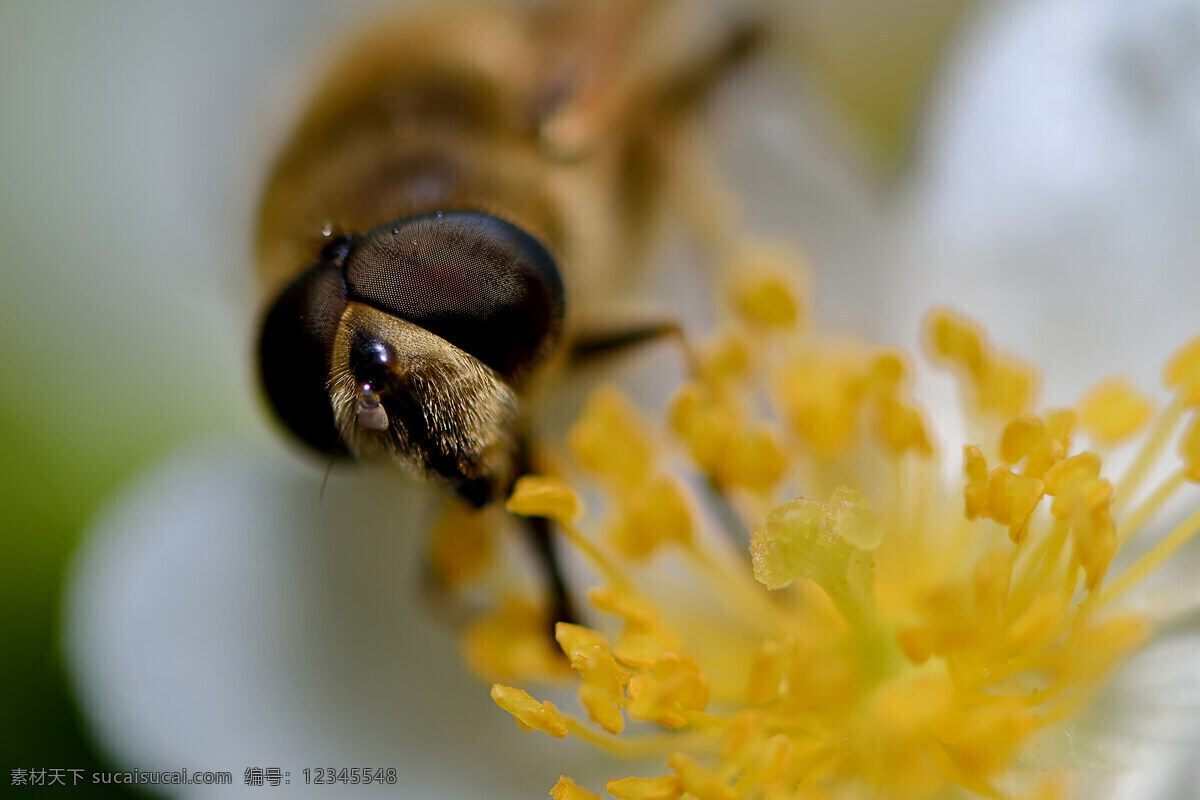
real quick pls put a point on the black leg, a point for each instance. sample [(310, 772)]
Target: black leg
[(540, 533), (591, 345), (541, 536)]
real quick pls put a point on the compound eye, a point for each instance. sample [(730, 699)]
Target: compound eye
[(294, 354), (479, 282)]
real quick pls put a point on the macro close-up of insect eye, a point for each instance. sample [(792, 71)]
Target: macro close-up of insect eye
[(434, 237), (659, 399)]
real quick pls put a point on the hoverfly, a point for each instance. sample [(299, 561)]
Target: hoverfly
[(463, 184)]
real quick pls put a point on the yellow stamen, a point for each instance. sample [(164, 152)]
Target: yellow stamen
[(821, 400), (610, 441), (726, 359), (460, 547), (1152, 505), (999, 385), (644, 636), (1189, 449), (529, 713), (1182, 372), (698, 781), (662, 693), (567, 789), (956, 341), (755, 460), (667, 787), (536, 496), (901, 428), (651, 516), (510, 643), (763, 293), (1157, 555), (1020, 437), (742, 593), (705, 425), (883, 640), (1113, 410), (601, 690)]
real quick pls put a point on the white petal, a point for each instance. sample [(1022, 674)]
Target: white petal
[(1139, 738), (221, 616), (1057, 194)]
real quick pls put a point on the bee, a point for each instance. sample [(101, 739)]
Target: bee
[(463, 187)]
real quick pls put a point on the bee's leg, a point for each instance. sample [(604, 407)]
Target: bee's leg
[(589, 346), (621, 78), (694, 83), (540, 533), (541, 536)]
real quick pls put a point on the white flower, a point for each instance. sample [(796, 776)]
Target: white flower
[(220, 617)]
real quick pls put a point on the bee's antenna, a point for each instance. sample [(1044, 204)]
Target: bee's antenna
[(325, 479)]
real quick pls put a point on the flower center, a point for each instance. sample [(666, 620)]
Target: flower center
[(890, 635)]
